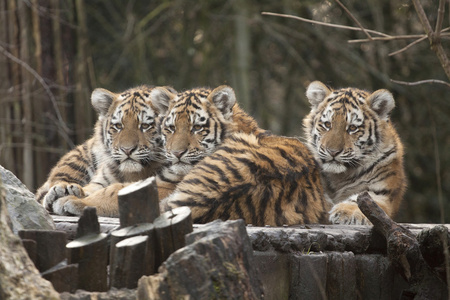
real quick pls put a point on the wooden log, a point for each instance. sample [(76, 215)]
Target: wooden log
[(219, 265), (146, 229), (138, 203), (90, 252), (404, 253), (30, 246), (131, 231), (128, 266), (63, 277), (50, 247), (432, 242), (170, 230), (88, 222), (69, 224)]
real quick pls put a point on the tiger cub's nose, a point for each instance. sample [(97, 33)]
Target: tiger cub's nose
[(178, 153), (127, 150), (333, 152)]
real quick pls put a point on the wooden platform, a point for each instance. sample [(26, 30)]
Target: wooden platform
[(312, 261), (358, 239)]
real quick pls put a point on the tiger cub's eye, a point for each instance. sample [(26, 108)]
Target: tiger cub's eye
[(352, 128), (145, 126), (118, 126), (327, 125), (197, 127)]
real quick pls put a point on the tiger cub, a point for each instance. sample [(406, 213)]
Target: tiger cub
[(223, 166), (125, 147), (350, 133), (233, 169)]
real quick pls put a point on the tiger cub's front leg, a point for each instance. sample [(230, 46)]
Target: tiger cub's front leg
[(104, 200), (60, 190), (347, 212)]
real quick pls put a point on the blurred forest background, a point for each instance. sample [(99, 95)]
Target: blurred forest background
[(53, 53)]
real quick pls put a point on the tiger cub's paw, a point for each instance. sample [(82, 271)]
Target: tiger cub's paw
[(348, 213), (59, 191), (74, 206)]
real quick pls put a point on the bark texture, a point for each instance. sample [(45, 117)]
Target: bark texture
[(217, 263)]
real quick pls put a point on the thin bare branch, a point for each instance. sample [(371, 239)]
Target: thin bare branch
[(354, 19), (408, 46), (440, 18), (421, 82), (436, 45), (418, 41), (41, 81), (390, 38), (323, 23), (399, 37)]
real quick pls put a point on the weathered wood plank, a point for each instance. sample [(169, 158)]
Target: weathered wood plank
[(358, 239)]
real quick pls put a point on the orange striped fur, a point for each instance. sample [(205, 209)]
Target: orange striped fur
[(125, 147), (351, 135)]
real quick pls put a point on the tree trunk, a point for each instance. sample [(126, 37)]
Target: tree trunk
[(242, 51), (83, 110), (6, 153), (27, 154)]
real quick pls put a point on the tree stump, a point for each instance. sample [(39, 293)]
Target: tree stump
[(127, 232), (30, 246), (88, 222), (50, 247), (404, 253), (148, 260), (432, 243), (63, 277), (138, 203), (218, 264), (170, 230), (129, 263), (90, 252)]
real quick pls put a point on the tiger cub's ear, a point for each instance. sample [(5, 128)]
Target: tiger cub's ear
[(223, 98), (161, 98), (382, 102), (101, 100), (317, 92)]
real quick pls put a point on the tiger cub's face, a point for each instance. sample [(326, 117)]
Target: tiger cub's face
[(196, 123), (344, 127), (129, 124)]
